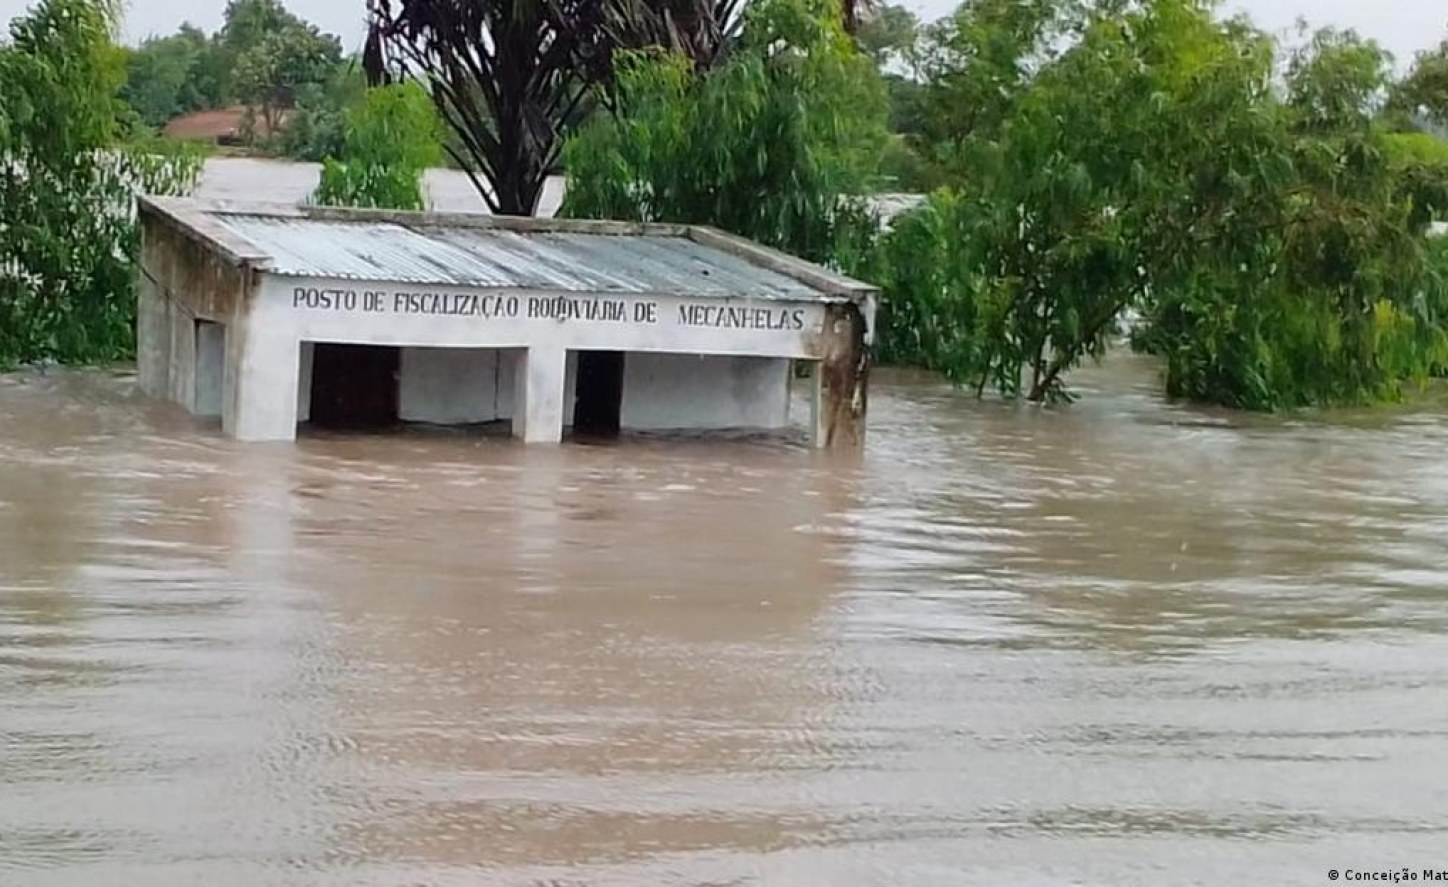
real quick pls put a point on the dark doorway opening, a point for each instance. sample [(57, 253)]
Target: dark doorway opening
[(355, 386), (599, 400), (210, 368)]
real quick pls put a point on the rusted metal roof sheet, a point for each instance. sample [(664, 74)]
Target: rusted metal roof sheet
[(491, 258)]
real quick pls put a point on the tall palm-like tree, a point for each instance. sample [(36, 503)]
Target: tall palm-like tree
[(508, 76), (512, 77)]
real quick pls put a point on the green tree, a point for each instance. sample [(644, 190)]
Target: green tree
[(772, 144), (1337, 81), (1423, 94), (1276, 245), (167, 76), (510, 78), (391, 138), (271, 72), (513, 79), (931, 279), (888, 34), (68, 238), (977, 63), (1030, 257), (316, 130), (1326, 295), (245, 24)]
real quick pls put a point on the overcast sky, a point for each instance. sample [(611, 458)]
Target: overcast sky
[(1403, 26)]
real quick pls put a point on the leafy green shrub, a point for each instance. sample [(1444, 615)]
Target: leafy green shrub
[(1275, 247), (390, 139), (903, 169), (316, 128), (774, 144), (68, 236), (929, 314)]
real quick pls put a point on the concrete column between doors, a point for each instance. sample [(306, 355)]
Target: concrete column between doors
[(538, 394), (263, 368)]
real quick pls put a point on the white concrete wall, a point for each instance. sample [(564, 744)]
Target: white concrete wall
[(165, 346), (181, 371), (321, 310), (455, 386), (458, 386), (690, 391), (153, 339), (445, 330), (263, 374)]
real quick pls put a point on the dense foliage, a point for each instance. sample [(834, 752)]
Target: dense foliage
[(509, 77), (316, 128), (264, 57), (390, 139), (774, 143), (178, 74), (269, 76), (1314, 288), (67, 234), (1263, 215), (1275, 244), (1423, 94)]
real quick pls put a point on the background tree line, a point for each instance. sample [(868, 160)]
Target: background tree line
[(68, 171), (292, 77), (1263, 212)]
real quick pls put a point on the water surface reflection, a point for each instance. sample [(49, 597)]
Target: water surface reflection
[(1120, 643)]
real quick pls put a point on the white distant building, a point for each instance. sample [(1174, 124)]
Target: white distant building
[(270, 316)]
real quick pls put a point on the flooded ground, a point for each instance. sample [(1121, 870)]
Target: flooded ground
[(1115, 644), (445, 190), (285, 181)]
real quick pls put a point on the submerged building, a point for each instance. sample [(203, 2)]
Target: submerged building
[(271, 316)]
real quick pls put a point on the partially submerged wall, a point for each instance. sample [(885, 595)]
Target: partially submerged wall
[(695, 391), (456, 386), (213, 314), (182, 282), (460, 386)]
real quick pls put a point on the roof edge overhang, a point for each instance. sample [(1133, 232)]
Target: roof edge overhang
[(193, 216)]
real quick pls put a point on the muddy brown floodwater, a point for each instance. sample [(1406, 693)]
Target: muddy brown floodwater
[(1121, 643)]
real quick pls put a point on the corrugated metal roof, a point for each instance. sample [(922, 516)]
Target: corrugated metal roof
[(494, 258)]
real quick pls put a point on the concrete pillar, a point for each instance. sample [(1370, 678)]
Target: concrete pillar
[(263, 367), (841, 381), (153, 338), (816, 405), (181, 374), (538, 394)]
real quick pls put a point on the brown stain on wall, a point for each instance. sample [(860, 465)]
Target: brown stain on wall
[(205, 284), (844, 369), (187, 280)]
